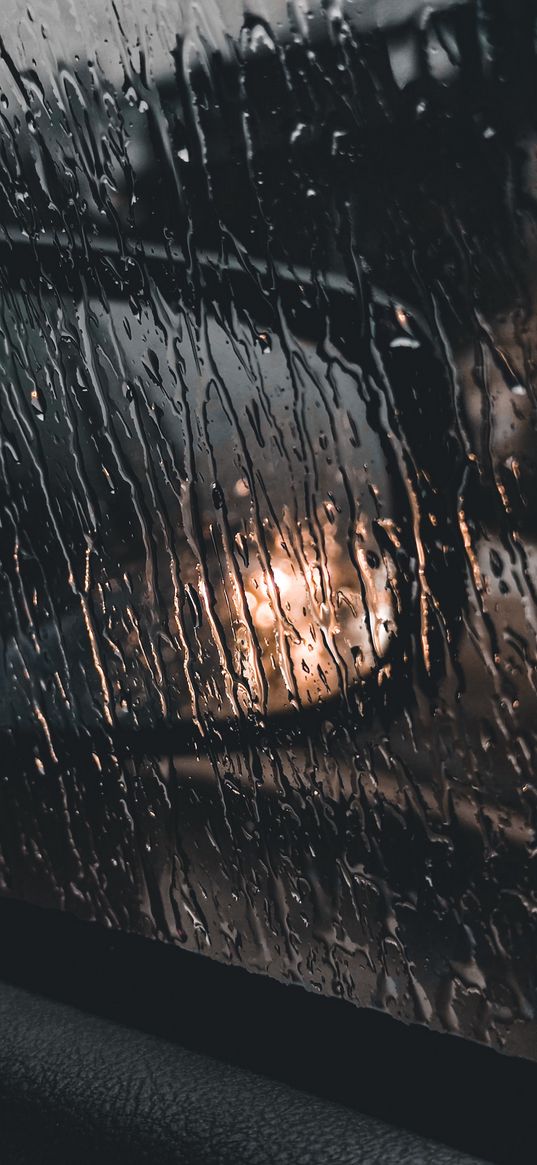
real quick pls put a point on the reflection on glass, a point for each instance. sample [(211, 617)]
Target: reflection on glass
[(267, 491)]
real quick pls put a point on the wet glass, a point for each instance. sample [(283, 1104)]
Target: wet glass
[(268, 489)]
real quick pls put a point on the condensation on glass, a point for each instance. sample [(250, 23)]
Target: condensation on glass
[(268, 507)]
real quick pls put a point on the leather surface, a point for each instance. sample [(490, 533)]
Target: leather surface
[(78, 1088)]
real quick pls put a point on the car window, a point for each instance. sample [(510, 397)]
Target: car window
[(267, 491)]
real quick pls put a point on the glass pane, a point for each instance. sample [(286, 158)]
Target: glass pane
[(267, 506)]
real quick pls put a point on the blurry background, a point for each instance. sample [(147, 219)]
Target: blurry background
[(267, 412)]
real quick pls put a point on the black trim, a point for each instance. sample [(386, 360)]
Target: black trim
[(78, 1088), (440, 1086)]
